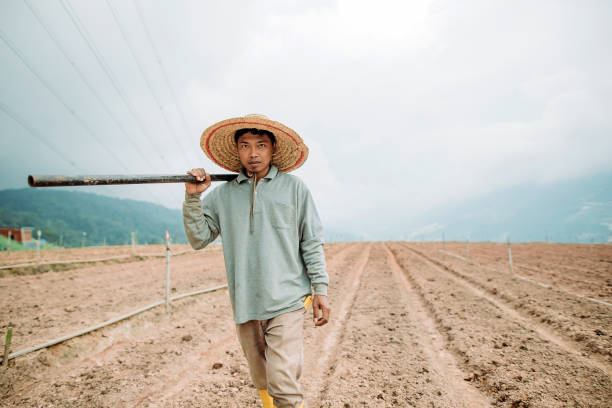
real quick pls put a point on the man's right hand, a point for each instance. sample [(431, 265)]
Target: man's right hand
[(202, 184)]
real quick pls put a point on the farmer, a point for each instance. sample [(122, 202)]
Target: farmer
[(272, 245)]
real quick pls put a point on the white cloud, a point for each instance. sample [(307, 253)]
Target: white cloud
[(404, 105)]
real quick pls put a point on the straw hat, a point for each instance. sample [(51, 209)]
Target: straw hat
[(218, 143)]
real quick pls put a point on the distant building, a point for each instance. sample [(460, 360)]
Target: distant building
[(23, 234)]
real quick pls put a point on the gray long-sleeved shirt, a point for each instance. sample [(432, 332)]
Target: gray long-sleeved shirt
[(271, 269)]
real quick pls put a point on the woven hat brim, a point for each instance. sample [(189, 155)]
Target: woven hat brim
[(218, 143)]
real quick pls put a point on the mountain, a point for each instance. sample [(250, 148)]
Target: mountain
[(578, 210), (65, 215)]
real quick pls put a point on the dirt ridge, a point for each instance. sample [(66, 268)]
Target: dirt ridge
[(510, 361), (444, 364), (331, 337), (553, 335), (407, 333)]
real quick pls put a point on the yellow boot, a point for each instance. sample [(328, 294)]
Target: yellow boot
[(266, 399)]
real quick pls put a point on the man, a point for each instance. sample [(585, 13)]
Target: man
[(272, 245)]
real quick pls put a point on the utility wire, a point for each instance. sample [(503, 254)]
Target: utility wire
[(163, 70), (86, 37), (64, 103), (69, 108), (89, 86), (66, 106), (144, 75), (37, 135)]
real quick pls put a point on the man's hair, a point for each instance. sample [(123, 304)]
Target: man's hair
[(256, 132)]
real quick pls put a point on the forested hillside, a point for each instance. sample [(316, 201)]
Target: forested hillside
[(65, 215)]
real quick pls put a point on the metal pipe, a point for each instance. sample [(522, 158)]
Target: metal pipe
[(106, 323), (23, 265), (102, 180)]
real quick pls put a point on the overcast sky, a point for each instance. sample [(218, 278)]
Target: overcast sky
[(404, 105)]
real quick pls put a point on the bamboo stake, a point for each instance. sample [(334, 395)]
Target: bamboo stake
[(7, 343), (38, 246), (510, 256)]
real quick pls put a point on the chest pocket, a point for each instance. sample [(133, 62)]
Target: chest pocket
[(282, 215)]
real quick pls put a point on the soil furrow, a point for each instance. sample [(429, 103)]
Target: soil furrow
[(506, 359), (559, 261), (561, 277), (142, 356), (527, 323), (577, 283), (233, 383), (408, 329), (435, 346), (326, 339), (381, 359), (580, 333)]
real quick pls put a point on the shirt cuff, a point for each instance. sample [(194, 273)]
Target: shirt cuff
[(191, 198), (320, 289)]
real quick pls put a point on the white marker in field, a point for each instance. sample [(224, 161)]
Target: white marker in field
[(167, 271), (510, 256), (38, 246), (8, 244)]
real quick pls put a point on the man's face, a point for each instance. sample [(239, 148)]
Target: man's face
[(255, 152)]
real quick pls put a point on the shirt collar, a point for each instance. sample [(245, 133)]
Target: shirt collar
[(271, 174)]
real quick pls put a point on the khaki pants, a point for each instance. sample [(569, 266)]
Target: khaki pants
[(274, 351)]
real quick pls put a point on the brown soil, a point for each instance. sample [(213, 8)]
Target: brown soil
[(71, 254), (413, 324)]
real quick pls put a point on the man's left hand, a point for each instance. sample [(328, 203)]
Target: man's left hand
[(320, 310)]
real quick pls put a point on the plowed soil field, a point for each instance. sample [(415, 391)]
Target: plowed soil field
[(413, 325)]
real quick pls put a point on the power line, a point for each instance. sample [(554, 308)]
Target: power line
[(70, 109), (37, 135), (161, 65), (86, 37), (89, 86), (54, 93), (144, 75), (64, 103)]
